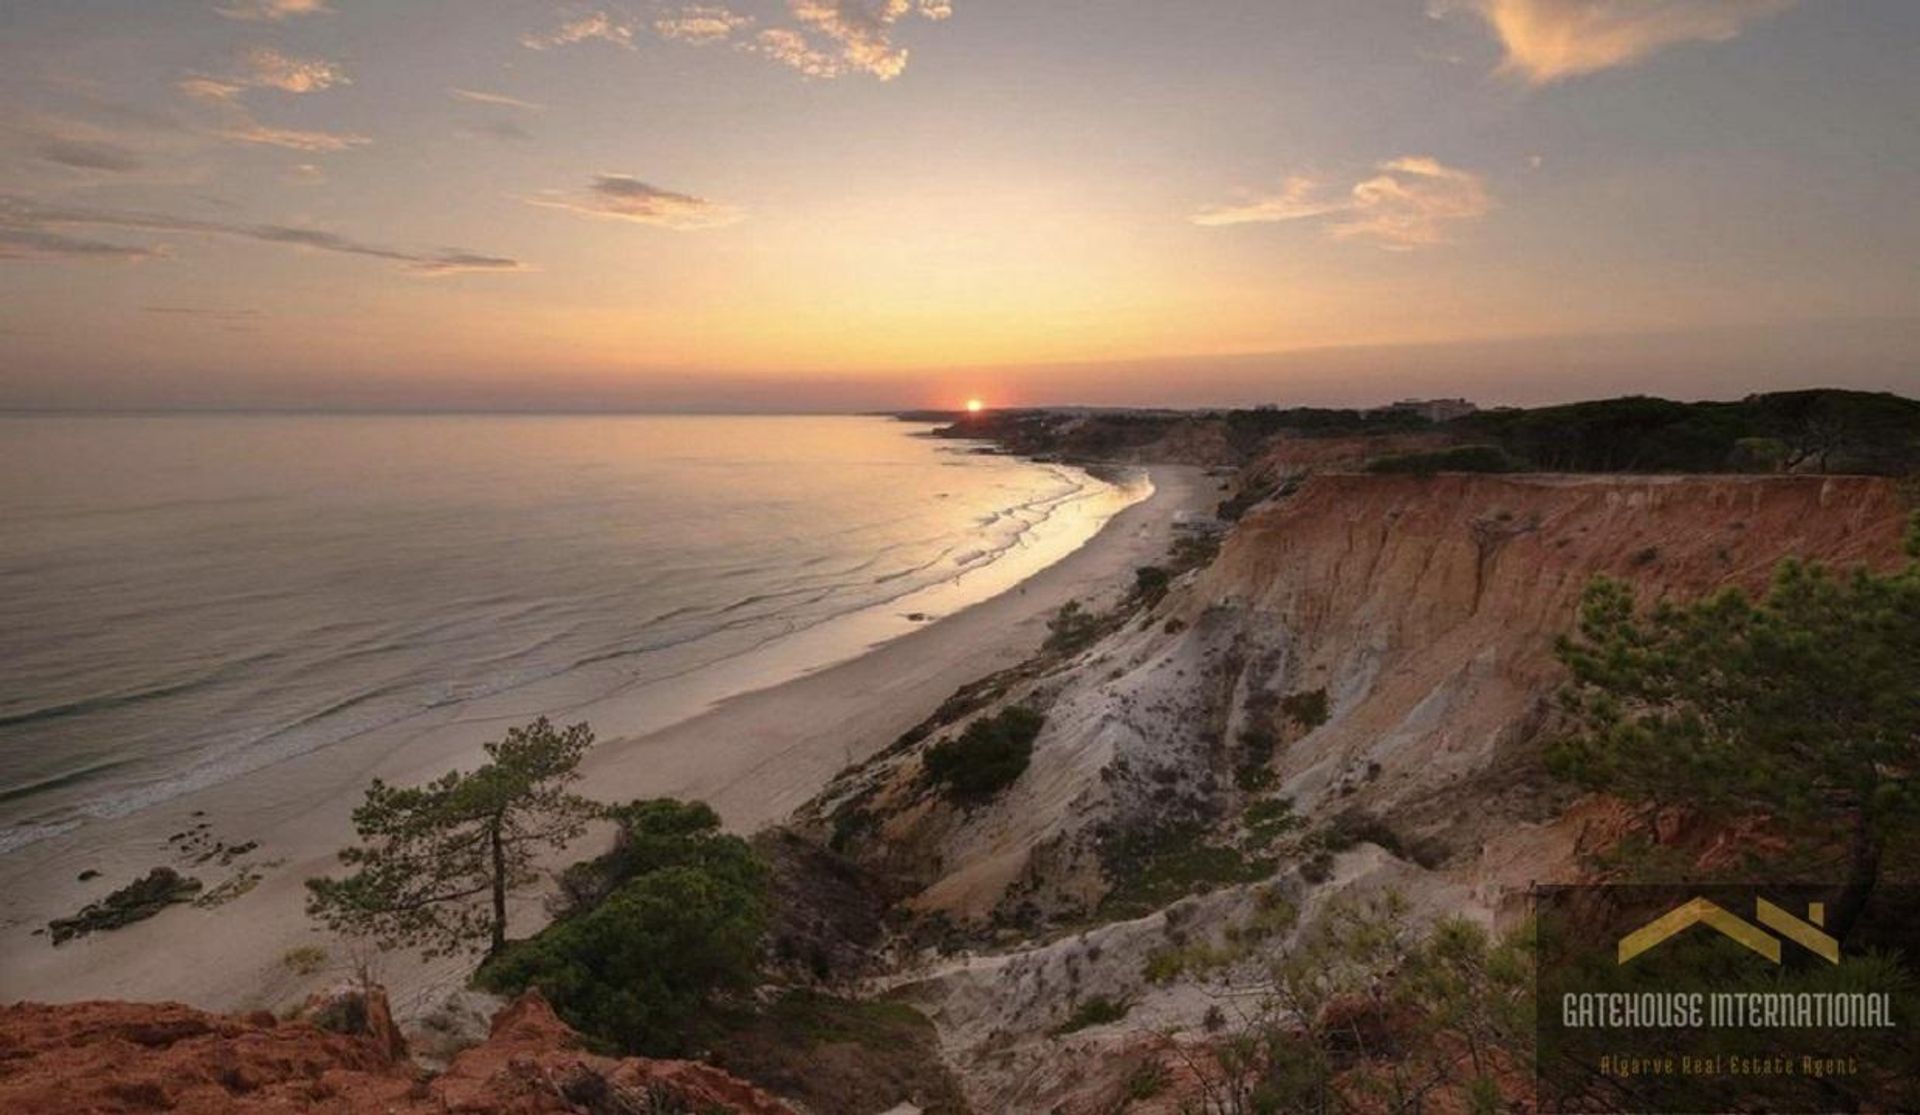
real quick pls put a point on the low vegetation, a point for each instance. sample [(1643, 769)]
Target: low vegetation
[(1072, 629), (1458, 458), (1366, 1014), (1095, 1010), (1800, 431), (656, 930), (1307, 708), (836, 1054), (1151, 870), (986, 758)]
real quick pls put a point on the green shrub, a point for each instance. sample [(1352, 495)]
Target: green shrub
[(1307, 708), (1150, 583), (680, 920), (986, 758), (1071, 629), (1152, 870), (305, 960), (1460, 458), (1096, 1010), (1148, 1079)]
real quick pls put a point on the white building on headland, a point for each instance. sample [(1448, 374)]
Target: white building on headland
[(1433, 410)]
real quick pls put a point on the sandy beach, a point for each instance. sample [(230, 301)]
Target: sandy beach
[(754, 756)]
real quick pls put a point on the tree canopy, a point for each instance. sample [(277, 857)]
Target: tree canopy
[(1803, 704), (437, 862)]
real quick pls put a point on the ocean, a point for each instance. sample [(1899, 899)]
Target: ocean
[(187, 598)]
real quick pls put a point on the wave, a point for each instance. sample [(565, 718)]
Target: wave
[(825, 587)]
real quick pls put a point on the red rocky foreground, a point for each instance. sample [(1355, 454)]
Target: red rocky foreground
[(108, 1057)]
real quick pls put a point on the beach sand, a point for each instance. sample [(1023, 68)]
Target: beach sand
[(755, 757)]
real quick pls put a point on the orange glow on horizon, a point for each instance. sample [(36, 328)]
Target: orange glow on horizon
[(975, 406)]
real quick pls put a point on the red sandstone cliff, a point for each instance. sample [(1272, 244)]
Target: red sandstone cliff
[(113, 1058)]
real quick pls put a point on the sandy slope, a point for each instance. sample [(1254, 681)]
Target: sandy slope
[(755, 756)]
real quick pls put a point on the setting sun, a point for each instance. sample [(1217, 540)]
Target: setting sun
[(975, 406)]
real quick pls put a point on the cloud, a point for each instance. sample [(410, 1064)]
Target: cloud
[(233, 321), (267, 68), (248, 130), (595, 25), (206, 88), (1411, 202), (24, 222), (619, 197), (846, 36), (1552, 40), (500, 99), (501, 129), (36, 243), (87, 154), (700, 24), (272, 11), (1299, 197)]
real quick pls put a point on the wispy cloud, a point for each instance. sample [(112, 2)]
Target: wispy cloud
[(24, 222), (587, 28), (1551, 40), (700, 24), (271, 11), (248, 130), (82, 154), (1299, 197), (838, 37), (23, 242), (1410, 202), (620, 197), (265, 68), (500, 99), (202, 87), (500, 129), (201, 311)]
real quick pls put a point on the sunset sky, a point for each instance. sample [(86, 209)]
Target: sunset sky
[(818, 204)]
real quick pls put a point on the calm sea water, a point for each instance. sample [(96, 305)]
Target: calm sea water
[(186, 598)]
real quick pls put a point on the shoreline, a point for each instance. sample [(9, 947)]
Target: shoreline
[(755, 756)]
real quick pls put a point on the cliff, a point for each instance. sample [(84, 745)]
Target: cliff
[(113, 1058), (1349, 698)]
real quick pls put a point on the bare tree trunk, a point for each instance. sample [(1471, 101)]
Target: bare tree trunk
[(499, 942)]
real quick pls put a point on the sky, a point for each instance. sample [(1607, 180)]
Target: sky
[(865, 204)]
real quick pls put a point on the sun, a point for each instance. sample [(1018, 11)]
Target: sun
[(975, 406)]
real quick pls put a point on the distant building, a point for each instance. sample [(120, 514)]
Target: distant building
[(1433, 410)]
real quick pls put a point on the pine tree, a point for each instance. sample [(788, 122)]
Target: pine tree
[(437, 862), (1802, 705)]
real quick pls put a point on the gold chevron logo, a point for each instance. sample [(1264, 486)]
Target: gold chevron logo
[(1699, 911)]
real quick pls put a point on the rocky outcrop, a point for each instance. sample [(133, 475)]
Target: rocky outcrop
[(137, 901), (112, 1058)]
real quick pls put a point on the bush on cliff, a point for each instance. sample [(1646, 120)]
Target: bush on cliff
[(680, 922), (986, 758), (1072, 629), (1460, 458)]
